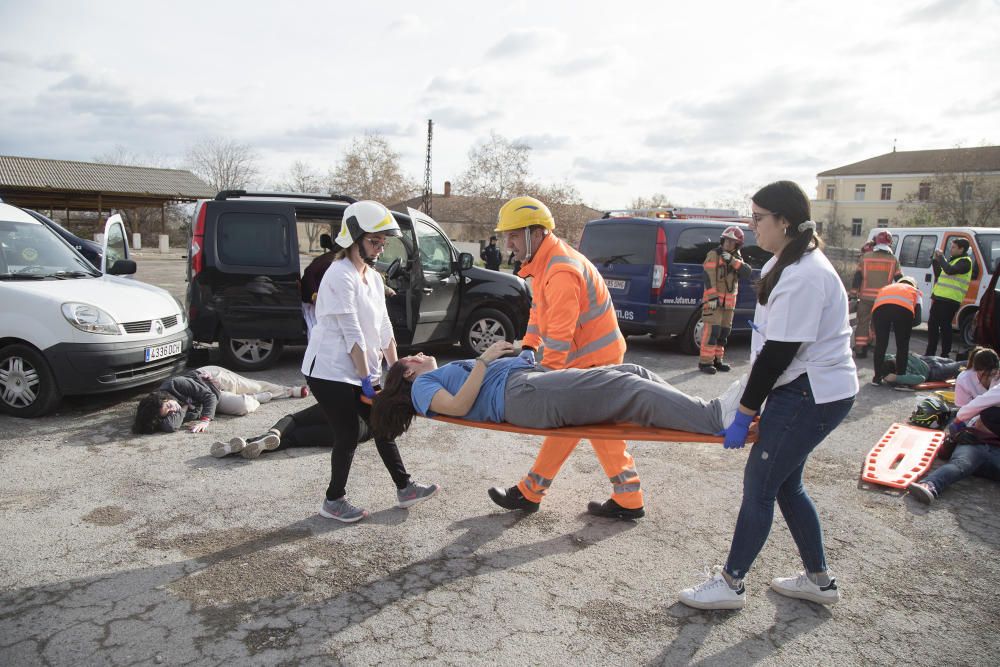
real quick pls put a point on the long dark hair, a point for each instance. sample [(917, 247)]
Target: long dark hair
[(786, 200), (147, 413), (392, 409), (984, 359)]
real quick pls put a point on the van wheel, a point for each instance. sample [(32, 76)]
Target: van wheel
[(691, 338), (250, 354), (485, 327), (967, 327), (27, 386)]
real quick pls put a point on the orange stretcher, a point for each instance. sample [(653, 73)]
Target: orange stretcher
[(623, 431), (940, 384), (902, 456)]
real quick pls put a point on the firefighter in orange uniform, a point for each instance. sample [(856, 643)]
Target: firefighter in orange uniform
[(572, 325), (877, 268), (724, 267)]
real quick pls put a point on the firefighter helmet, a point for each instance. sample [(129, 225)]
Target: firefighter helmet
[(909, 280), (733, 232), (523, 212), (366, 217), (883, 238), (931, 412)]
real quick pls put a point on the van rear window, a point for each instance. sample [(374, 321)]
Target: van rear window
[(253, 239), (917, 250), (989, 248), (619, 244)]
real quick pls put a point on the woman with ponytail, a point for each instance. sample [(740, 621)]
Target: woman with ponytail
[(803, 367)]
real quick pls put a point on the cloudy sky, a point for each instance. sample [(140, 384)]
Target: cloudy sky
[(700, 101)]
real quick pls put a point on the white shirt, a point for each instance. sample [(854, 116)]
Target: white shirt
[(344, 295), (809, 305), (987, 399), (967, 387)]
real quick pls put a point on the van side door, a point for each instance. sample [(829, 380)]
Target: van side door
[(915, 250), (437, 289), (402, 305), (115, 243)]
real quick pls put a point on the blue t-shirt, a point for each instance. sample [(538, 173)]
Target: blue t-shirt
[(489, 405)]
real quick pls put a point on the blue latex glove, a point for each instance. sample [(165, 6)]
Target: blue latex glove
[(955, 427), (736, 434), (367, 386), (528, 355)]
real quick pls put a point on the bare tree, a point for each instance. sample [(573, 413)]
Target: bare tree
[(148, 220), (657, 200), (224, 164), (303, 177), (955, 198), (370, 170), (124, 155), (498, 169)]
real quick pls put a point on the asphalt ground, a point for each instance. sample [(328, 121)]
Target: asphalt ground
[(120, 549)]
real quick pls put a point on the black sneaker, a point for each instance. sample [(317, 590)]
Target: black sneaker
[(707, 368), (609, 509), (925, 492), (512, 499), (876, 382), (721, 366)]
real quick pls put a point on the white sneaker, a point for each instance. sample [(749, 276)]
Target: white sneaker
[(263, 396), (803, 588), (729, 401), (234, 446), (254, 448), (714, 593)]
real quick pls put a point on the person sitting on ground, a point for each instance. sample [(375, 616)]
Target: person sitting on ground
[(197, 394), (983, 372), (517, 391), (920, 369), (305, 428)]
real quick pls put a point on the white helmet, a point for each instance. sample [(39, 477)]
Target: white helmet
[(366, 217)]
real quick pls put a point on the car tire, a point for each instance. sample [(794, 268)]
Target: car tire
[(967, 328), (250, 354), (483, 328), (690, 341), (27, 385)]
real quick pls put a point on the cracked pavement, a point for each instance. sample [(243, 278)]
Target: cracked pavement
[(143, 550)]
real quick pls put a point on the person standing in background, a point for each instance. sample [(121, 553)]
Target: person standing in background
[(491, 255), (877, 268), (952, 278)]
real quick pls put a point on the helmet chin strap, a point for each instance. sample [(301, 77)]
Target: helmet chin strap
[(529, 251)]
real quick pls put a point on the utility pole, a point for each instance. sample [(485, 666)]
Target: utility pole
[(427, 169)]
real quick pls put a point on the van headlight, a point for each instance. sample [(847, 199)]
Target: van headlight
[(89, 318), (182, 319)]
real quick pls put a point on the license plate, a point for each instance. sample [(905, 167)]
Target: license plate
[(161, 351), (617, 284)]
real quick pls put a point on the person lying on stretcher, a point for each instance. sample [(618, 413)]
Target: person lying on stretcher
[(517, 391)]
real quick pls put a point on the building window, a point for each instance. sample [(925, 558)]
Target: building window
[(886, 191), (859, 192), (882, 222), (830, 190), (856, 224), (966, 191), (924, 193)]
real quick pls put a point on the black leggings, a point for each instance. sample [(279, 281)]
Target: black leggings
[(900, 321), (310, 428), (942, 313), (341, 403)]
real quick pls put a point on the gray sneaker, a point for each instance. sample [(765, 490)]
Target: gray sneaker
[(414, 493), (266, 443), (342, 510), (234, 446)]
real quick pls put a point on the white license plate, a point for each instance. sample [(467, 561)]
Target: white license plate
[(617, 284), (161, 351)]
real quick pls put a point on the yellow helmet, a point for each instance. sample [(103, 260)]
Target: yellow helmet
[(521, 212)]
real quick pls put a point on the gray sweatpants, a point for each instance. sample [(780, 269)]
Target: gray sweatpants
[(623, 393)]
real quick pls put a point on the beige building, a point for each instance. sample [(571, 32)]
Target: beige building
[(888, 190)]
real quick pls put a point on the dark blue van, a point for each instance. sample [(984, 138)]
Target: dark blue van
[(653, 268)]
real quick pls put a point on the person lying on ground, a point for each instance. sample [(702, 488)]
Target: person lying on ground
[(196, 395), (983, 372), (305, 428), (976, 453), (515, 390), (920, 369)]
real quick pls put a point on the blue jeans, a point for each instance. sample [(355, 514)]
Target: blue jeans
[(791, 426), (966, 460)]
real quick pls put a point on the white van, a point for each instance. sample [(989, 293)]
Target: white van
[(914, 247), (66, 328)]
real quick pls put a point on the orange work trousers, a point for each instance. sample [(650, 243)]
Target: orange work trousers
[(618, 465)]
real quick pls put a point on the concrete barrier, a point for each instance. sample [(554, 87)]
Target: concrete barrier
[(99, 238), (136, 241), (164, 243)]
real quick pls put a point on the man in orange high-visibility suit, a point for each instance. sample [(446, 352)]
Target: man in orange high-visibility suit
[(876, 269), (572, 325)]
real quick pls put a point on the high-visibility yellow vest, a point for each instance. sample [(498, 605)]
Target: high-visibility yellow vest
[(955, 286)]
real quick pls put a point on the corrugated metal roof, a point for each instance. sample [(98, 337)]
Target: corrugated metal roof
[(41, 174), (948, 160)]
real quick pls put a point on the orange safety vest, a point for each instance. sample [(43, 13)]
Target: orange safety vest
[(898, 294), (878, 269), (572, 322)]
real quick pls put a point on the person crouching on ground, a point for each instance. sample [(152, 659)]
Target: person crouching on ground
[(197, 394)]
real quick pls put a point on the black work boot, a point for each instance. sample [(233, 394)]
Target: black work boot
[(707, 368), (512, 499), (721, 366), (609, 509)]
